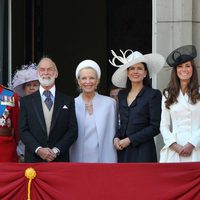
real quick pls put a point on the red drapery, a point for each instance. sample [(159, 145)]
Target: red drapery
[(69, 181)]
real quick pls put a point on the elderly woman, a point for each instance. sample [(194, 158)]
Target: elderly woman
[(139, 106), (25, 82), (96, 117)]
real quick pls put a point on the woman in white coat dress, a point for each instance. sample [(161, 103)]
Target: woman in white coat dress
[(180, 118), (96, 117)]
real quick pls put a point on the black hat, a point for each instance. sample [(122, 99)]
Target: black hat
[(181, 55)]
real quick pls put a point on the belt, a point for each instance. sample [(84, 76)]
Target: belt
[(6, 131)]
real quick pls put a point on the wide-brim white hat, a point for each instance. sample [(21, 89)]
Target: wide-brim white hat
[(88, 63), (154, 62), (26, 74)]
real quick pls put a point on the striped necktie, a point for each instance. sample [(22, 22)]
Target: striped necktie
[(48, 101)]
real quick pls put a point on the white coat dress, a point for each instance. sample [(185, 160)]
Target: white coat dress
[(181, 124), (104, 111)]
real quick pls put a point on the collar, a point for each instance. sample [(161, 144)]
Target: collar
[(52, 90)]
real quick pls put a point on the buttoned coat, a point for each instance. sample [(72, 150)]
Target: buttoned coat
[(140, 122), (32, 127), (181, 124), (104, 111)]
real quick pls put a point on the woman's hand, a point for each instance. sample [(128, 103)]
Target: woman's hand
[(121, 144), (116, 144), (124, 142), (187, 150), (177, 148)]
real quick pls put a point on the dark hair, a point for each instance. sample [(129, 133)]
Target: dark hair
[(146, 80), (172, 91), (112, 87)]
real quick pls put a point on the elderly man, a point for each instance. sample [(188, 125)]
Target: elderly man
[(48, 125)]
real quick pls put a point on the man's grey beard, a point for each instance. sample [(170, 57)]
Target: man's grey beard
[(46, 81)]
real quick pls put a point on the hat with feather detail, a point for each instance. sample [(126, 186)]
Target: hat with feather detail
[(154, 62)]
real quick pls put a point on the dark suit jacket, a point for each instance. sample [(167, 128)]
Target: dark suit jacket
[(140, 122), (32, 127)]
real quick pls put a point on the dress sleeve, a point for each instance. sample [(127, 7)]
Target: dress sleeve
[(165, 125)]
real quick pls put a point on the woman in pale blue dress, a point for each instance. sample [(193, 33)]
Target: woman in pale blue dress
[(96, 117)]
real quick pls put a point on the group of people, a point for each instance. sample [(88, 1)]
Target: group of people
[(53, 127)]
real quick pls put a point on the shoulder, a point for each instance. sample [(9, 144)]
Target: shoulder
[(30, 96), (6, 88), (105, 99), (64, 96), (8, 92), (154, 93), (122, 93), (78, 98)]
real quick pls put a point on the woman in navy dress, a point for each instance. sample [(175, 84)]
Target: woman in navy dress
[(139, 106)]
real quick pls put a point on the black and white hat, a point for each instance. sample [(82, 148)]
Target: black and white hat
[(181, 55)]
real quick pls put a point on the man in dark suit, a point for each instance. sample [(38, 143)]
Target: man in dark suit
[(47, 122)]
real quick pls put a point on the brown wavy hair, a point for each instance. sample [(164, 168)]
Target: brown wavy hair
[(172, 91)]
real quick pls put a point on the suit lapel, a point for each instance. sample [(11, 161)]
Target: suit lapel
[(135, 101), (184, 100), (37, 106), (56, 109), (124, 102)]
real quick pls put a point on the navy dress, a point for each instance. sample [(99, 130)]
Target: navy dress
[(140, 122)]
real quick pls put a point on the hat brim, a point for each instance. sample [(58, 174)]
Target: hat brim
[(19, 88), (181, 55), (154, 62)]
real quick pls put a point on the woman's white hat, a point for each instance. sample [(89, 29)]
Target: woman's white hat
[(88, 63), (26, 74), (154, 62)]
